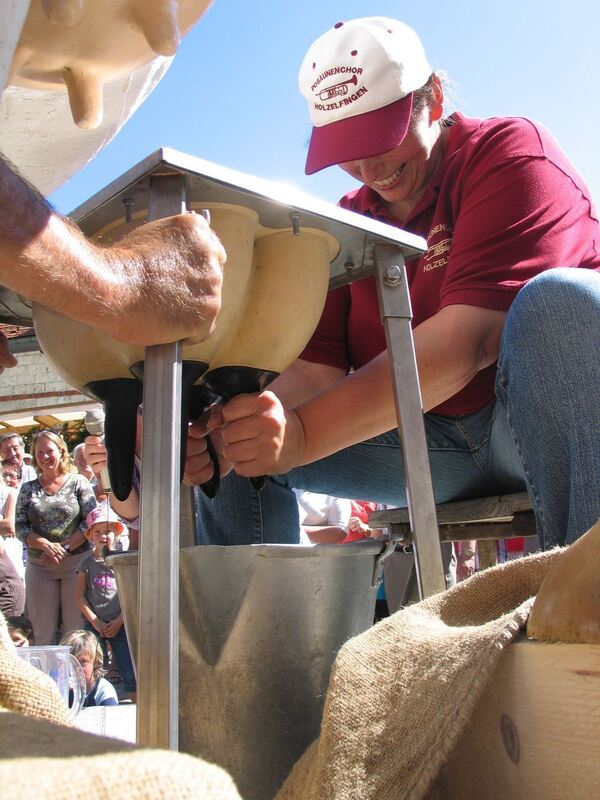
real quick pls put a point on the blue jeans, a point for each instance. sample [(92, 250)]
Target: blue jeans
[(542, 433)]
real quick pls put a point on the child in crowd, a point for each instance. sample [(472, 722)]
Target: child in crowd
[(20, 630), (97, 591), (88, 651)]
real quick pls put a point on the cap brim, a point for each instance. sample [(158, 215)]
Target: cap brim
[(362, 136)]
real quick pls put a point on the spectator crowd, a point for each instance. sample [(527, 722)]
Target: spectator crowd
[(57, 525), (57, 528)]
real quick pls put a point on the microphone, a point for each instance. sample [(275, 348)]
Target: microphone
[(94, 424)]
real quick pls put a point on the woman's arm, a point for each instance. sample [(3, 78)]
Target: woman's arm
[(52, 552), (95, 454), (86, 500), (7, 523), (324, 534), (260, 436), (301, 381)]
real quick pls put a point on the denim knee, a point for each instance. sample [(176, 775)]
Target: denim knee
[(554, 317), (558, 297)]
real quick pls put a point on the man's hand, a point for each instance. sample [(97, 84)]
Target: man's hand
[(169, 275), (6, 357), (160, 283)]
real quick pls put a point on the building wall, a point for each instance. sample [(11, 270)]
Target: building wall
[(34, 384)]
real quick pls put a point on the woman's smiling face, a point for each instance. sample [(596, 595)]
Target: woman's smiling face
[(400, 176), (46, 453)]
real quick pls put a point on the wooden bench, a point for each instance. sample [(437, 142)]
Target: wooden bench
[(500, 517), (485, 519)]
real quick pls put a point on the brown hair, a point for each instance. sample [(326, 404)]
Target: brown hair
[(422, 97)]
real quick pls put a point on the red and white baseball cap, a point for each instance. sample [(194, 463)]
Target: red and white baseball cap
[(358, 79)]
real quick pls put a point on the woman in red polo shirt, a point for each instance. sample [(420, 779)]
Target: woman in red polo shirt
[(507, 344)]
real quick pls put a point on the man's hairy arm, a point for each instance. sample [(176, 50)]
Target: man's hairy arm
[(160, 283)]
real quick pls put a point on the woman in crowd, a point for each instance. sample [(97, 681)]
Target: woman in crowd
[(506, 303), (51, 521), (8, 497)]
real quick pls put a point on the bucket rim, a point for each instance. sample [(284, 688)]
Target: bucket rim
[(371, 547)]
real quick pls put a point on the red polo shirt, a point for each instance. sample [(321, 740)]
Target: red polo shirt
[(504, 205)]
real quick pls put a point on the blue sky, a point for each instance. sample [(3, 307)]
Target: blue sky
[(231, 96)]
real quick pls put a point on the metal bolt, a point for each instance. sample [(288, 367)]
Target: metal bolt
[(295, 217), (129, 204), (393, 276)]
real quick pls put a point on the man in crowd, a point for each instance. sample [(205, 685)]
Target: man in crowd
[(12, 448)]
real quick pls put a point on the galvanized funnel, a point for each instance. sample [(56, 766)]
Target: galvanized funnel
[(260, 626)]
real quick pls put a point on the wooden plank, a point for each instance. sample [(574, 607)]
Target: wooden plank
[(496, 508), (48, 421), (536, 731), (523, 524)]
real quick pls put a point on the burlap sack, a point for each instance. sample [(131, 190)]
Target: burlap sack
[(401, 694), (39, 757)]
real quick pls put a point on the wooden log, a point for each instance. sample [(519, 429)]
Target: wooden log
[(536, 731)]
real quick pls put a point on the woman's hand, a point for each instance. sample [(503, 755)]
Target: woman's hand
[(198, 463), (53, 553), (259, 437), (95, 453)]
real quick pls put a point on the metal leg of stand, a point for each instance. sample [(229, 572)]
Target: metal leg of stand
[(158, 589), (396, 315)]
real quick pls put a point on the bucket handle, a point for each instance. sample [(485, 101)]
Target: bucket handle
[(390, 545)]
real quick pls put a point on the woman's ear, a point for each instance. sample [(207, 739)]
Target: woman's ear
[(436, 108)]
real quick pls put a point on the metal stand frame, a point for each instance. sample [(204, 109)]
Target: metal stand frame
[(361, 240), (158, 636), (396, 315)]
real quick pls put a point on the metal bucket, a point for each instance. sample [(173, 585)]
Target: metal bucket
[(260, 626)]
